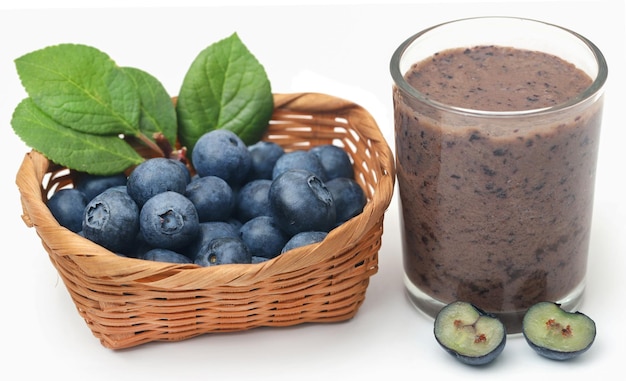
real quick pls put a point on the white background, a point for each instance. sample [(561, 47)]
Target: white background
[(343, 50)]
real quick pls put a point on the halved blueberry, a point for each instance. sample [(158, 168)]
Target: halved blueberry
[(557, 334), (470, 334)]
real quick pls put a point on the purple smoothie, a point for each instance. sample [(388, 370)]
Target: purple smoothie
[(496, 211)]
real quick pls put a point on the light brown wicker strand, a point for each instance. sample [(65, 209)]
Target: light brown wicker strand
[(127, 302)]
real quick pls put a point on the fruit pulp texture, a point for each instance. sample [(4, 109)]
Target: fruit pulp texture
[(496, 212)]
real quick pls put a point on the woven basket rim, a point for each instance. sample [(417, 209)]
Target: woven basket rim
[(65, 243)]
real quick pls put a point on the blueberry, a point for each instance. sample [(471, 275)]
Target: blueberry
[(213, 198), (335, 161), (263, 237), (222, 251), (235, 223), (111, 219), (264, 156), (120, 188), (67, 206), (349, 198), (469, 334), (223, 154), (169, 220), (185, 169), (139, 248), (253, 200), (300, 201), (304, 239), (93, 185), (165, 255), (259, 259), (154, 176), (557, 334), (207, 232), (299, 159)]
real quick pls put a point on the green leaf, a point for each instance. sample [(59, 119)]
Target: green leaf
[(225, 87), (96, 154), (157, 109), (82, 88)]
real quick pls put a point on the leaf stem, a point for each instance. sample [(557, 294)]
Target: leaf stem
[(151, 144)]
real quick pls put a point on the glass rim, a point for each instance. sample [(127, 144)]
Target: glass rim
[(590, 92)]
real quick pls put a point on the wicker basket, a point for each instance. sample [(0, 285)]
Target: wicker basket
[(127, 302)]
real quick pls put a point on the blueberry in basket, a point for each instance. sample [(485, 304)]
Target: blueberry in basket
[(111, 219), (264, 155), (169, 220), (299, 159), (557, 334), (206, 233), (165, 255), (470, 334), (253, 200), (334, 160), (349, 197), (213, 198), (300, 201), (155, 176), (222, 251), (67, 206), (263, 237), (93, 185), (304, 239), (222, 153)]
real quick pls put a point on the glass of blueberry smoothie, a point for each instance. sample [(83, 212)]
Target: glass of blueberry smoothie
[(497, 125)]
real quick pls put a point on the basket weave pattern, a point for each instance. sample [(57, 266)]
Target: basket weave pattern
[(127, 302)]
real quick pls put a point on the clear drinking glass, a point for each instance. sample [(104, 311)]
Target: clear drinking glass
[(496, 194)]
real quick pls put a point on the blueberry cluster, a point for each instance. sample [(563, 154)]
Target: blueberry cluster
[(244, 204)]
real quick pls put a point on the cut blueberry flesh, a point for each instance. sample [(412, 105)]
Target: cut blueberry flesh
[(557, 334), (471, 335)]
